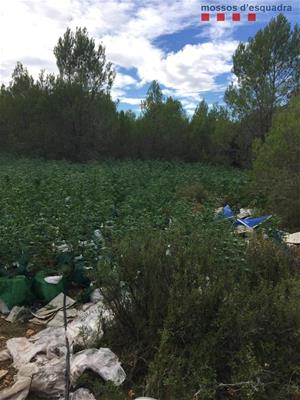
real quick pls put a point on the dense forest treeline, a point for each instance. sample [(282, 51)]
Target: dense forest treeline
[(72, 115)]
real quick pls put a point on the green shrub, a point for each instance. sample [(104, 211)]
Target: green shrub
[(196, 311), (276, 170), (101, 390), (235, 329)]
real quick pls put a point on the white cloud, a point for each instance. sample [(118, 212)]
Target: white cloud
[(131, 100), (195, 68), (130, 51), (192, 69), (124, 80), (128, 28), (217, 30)]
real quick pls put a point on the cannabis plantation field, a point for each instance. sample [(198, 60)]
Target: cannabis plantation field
[(51, 209), (199, 311)]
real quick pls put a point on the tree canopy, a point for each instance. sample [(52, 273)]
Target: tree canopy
[(79, 60), (267, 69)]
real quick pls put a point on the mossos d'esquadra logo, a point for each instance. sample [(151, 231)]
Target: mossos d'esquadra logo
[(238, 12)]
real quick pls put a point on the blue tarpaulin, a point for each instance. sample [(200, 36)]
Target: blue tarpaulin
[(252, 222), (227, 212)]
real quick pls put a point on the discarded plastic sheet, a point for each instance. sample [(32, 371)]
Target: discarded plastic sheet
[(17, 313), (292, 238), (244, 213), (3, 307), (3, 373), (22, 351), (82, 394), (44, 314), (47, 376), (84, 330), (252, 222), (96, 296), (4, 355), (87, 327), (19, 391), (103, 361), (58, 319)]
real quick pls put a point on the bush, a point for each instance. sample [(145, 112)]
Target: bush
[(196, 310), (276, 170), (232, 329)]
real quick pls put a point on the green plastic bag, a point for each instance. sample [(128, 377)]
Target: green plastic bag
[(16, 291), (46, 291)]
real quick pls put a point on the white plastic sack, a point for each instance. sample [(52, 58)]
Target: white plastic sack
[(47, 376), (41, 359), (5, 355), (23, 351), (293, 238), (96, 296), (58, 320), (53, 280), (86, 329), (103, 361), (81, 394), (145, 398)]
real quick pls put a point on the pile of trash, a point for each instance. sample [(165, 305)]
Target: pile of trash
[(292, 239), (40, 360), (245, 223)]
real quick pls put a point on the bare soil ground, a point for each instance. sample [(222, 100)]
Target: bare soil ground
[(9, 330)]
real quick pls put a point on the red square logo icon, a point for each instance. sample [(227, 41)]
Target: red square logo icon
[(236, 17), (251, 17), (220, 17), (204, 17)]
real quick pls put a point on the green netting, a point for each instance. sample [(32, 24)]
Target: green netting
[(16, 291), (46, 291)]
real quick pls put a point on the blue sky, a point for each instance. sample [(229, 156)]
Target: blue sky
[(146, 40)]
